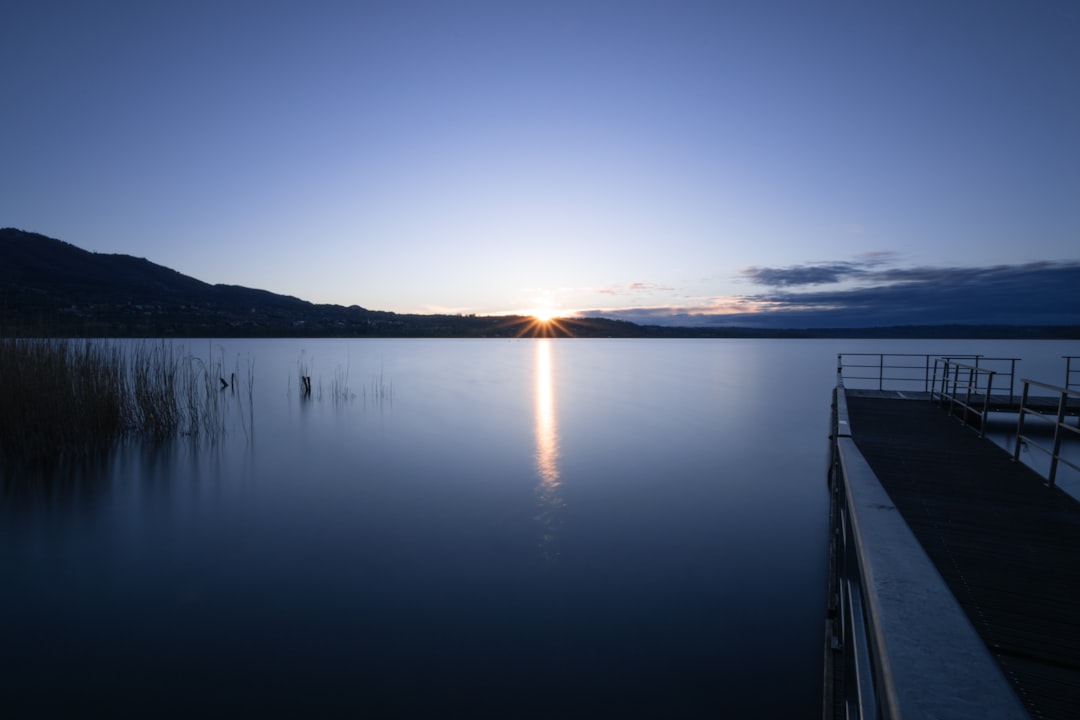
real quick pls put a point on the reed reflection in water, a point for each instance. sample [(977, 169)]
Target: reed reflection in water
[(547, 451)]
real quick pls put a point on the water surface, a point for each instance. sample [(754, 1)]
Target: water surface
[(488, 527)]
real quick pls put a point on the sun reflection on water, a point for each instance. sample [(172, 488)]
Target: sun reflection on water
[(547, 450)]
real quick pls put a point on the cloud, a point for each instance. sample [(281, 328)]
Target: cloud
[(632, 289), (820, 273), (809, 274), (1039, 293)]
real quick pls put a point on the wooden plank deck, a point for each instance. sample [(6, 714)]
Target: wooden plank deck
[(1007, 546)]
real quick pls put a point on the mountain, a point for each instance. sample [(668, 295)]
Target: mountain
[(52, 288)]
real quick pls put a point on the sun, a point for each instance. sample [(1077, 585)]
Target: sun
[(544, 314)]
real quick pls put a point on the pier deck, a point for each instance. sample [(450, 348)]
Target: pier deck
[(1007, 546), (998, 403)]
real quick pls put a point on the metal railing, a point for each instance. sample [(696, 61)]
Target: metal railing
[(1070, 371), (918, 371), (965, 391), (887, 370), (851, 664), (1058, 422), (1003, 369)]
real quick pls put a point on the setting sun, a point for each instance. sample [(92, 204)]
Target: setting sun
[(544, 314)]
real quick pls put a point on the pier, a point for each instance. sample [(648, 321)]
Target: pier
[(955, 570)]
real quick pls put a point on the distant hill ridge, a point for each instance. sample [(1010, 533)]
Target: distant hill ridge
[(40, 263), (49, 287)]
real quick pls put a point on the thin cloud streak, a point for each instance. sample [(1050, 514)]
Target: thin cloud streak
[(633, 288)]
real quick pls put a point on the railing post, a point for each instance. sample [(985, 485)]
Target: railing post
[(1057, 437), (946, 369), (1020, 422), (972, 385), (1012, 378), (946, 377), (881, 372), (934, 385), (955, 387), (944, 381), (986, 404)]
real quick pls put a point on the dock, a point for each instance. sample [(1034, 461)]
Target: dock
[(954, 587)]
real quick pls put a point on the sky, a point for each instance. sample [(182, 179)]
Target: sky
[(810, 163)]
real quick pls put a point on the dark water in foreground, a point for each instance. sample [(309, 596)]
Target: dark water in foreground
[(479, 528)]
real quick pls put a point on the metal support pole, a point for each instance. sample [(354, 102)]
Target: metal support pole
[(1020, 422), (986, 405), (1012, 378), (955, 387), (1062, 401)]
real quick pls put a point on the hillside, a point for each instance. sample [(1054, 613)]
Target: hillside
[(52, 288)]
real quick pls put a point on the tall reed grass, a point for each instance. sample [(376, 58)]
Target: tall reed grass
[(63, 400)]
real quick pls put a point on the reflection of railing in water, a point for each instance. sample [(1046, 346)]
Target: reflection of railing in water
[(1058, 422)]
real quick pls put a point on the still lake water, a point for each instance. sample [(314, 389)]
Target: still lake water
[(492, 528)]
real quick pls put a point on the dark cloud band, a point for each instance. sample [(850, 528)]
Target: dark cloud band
[(1042, 293)]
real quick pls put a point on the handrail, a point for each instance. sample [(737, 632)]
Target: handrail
[(1006, 378), (885, 363), (1070, 370), (960, 389), (1064, 394), (850, 641)]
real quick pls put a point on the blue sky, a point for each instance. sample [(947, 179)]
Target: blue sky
[(667, 161)]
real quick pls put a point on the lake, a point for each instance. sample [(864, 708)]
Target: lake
[(500, 528)]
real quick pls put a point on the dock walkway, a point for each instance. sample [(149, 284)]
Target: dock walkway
[(1006, 545)]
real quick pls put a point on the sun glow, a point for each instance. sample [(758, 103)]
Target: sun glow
[(542, 320), (544, 315)]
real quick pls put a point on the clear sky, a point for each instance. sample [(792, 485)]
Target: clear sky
[(641, 159)]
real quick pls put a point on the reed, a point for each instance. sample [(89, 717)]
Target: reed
[(61, 399), (339, 387), (382, 390), (154, 378), (65, 400)]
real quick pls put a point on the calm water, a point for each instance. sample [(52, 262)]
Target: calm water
[(489, 528)]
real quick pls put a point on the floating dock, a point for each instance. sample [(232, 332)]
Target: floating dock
[(954, 587)]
